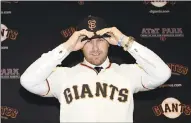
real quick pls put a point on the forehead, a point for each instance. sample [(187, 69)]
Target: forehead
[(96, 39)]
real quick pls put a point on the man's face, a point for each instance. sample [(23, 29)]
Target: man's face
[(96, 50)]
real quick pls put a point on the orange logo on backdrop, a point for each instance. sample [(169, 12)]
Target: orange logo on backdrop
[(8, 112), (92, 24), (171, 108), (68, 32), (178, 69), (8, 33)]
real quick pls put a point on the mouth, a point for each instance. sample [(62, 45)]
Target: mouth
[(96, 54)]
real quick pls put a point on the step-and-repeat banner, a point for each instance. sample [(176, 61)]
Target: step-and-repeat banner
[(29, 29)]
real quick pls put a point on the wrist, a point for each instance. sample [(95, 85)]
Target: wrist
[(60, 52), (120, 40), (68, 46), (127, 42)]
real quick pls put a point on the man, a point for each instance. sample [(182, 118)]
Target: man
[(95, 90)]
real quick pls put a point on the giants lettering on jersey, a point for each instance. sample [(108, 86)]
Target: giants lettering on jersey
[(101, 89)]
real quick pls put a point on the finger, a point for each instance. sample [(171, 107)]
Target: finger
[(83, 43), (103, 31), (110, 34), (107, 39), (86, 33), (81, 37), (110, 39), (89, 34)]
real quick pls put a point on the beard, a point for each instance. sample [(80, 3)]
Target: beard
[(96, 58)]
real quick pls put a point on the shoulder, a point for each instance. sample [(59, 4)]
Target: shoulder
[(125, 66), (131, 66), (59, 71)]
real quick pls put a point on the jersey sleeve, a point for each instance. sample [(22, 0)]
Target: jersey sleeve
[(55, 82), (140, 80), (135, 75), (34, 79), (149, 71)]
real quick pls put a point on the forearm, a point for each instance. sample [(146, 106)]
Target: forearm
[(155, 68), (37, 73)]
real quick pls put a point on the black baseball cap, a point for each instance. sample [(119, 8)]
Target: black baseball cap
[(93, 24)]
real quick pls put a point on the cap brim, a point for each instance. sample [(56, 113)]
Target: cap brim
[(96, 36)]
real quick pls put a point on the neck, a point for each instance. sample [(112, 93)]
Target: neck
[(105, 64)]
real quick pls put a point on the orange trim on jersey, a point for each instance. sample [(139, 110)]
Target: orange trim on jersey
[(88, 67), (48, 88), (144, 86), (93, 68), (108, 66)]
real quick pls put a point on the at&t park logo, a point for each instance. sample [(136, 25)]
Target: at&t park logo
[(171, 108), (7, 33), (8, 112), (159, 5), (161, 33), (10, 73)]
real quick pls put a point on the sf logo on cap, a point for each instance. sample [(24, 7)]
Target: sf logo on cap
[(92, 24)]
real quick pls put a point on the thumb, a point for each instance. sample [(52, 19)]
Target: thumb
[(81, 37), (84, 42)]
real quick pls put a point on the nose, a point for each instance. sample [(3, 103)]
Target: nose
[(95, 45)]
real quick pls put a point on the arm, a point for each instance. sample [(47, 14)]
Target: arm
[(151, 71), (34, 79)]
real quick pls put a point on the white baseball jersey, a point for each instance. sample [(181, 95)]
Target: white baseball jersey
[(88, 96)]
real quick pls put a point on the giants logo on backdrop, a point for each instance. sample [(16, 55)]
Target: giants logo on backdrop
[(159, 4), (8, 112), (161, 33), (171, 108), (66, 33), (10, 73), (177, 69), (81, 2), (7, 33)]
